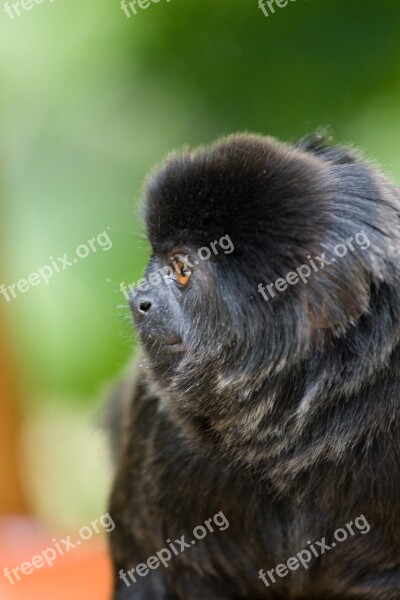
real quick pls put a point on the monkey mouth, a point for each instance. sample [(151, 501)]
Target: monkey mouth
[(173, 343)]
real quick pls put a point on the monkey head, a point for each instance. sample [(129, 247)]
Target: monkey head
[(225, 222)]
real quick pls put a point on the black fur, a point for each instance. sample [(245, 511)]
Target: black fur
[(283, 414)]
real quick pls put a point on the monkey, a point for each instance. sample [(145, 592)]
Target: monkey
[(279, 411)]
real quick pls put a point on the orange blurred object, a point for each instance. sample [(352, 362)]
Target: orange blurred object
[(12, 499), (82, 573)]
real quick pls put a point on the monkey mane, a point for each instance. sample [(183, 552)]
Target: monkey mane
[(250, 185)]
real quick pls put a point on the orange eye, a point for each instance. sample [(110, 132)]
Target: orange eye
[(183, 271)]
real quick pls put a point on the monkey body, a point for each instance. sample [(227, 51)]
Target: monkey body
[(282, 415), (172, 488)]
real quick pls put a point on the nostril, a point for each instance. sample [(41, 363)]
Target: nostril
[(144, 306)]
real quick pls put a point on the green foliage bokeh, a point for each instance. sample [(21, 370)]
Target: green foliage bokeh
[(91, 100)]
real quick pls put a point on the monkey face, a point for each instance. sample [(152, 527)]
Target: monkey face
[(166, 309), (157, 306)]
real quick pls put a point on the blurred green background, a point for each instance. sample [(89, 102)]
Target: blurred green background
[(90, 101)]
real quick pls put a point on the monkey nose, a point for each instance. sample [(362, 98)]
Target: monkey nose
[(144, 306), (140, 306)]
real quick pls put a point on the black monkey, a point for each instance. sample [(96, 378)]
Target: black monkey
[(270, 398)]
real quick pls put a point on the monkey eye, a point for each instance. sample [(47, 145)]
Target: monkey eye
[(183, 271)]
